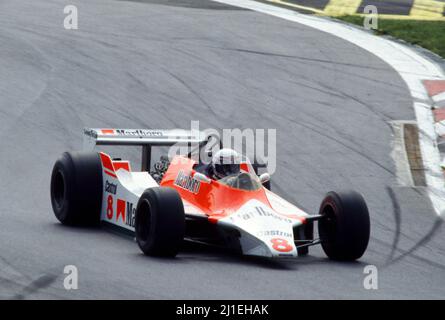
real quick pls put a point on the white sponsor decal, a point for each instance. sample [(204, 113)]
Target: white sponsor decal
[(139, 133), (187, 182)]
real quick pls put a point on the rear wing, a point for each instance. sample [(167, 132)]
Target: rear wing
[(146, 138)]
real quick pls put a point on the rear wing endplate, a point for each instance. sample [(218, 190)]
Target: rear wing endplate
[(146, 138)]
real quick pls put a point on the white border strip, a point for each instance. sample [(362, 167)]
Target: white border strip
[(411, 66), (439, 97)]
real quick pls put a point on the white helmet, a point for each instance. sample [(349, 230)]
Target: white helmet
[(226, 162)]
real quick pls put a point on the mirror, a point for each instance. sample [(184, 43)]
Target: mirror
[(265, 177), (202, 177)]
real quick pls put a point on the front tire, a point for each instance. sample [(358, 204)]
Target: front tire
[(76, 188), (160, 222), (345, 227)]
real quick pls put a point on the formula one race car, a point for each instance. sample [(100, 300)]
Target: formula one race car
[(175, 201)]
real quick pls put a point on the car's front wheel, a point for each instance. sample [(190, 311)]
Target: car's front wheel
[(160, 222), (345, 227)]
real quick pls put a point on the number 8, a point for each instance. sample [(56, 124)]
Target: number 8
[(281, 245)]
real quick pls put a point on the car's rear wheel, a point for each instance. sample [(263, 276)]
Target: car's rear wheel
[(160, 222), (76, 188), (345, 227)]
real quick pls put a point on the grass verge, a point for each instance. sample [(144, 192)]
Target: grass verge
[(427, 34)]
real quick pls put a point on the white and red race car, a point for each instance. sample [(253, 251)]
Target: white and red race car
[(174, 201)]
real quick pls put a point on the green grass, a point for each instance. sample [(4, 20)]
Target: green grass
[(427, 34)]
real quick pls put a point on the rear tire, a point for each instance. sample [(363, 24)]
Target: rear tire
[(160, 222), (76, 188), (345, 228)]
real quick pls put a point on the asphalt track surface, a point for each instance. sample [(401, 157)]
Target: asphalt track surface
[(154, 65)]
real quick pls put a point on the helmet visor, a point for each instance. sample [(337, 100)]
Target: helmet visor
[(228, 169)]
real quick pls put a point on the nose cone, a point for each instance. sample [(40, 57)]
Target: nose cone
[(263, 232), (264, 249)]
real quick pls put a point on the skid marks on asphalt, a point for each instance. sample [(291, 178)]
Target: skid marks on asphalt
[(411, 180), (24, 286)]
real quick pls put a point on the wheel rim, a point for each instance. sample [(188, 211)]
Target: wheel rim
[(328, 224), (59, 189)]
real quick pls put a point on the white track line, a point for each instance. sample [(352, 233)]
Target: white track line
[(439, 97), (411, 66)]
